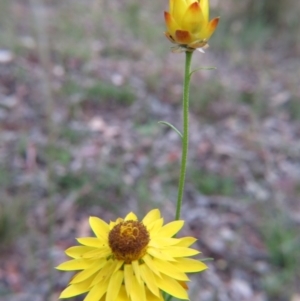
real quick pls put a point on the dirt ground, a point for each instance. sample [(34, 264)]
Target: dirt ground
[(82, 88)]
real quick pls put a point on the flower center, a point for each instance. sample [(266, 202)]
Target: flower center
[(128, 240)]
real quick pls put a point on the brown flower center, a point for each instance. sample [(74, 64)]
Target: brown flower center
[(128, 240)]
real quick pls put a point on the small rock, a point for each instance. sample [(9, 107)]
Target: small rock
[(6, 56), (240, 289)]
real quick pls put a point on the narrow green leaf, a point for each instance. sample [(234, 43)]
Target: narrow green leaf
[(171, 126), (203, 68)]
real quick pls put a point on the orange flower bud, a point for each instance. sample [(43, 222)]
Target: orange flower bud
[(188, 23)]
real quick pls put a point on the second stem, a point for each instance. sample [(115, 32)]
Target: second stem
[(185, 134)]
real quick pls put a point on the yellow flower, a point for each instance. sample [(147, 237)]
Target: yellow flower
[(188, 23), (131, 260)]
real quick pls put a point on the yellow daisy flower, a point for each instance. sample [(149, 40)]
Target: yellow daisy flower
[(131, 260), (188, 23)]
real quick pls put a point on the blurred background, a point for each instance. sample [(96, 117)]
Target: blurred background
[(83, 84)]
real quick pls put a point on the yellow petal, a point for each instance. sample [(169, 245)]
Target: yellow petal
[(188, 265), (83, 275), (112, 224), (128, 277), (92, 242), (171, 286), (98, 253), (114, 286), (211, 27), (179, 251), (78, 251), (130, 217), (186, 241), (171, 6), (138, 291), (75, 289), (189, 2), (136, 270), (122, 295), (179, 9), (183, 284), (105, 272), (169, 37), (160, 254), (99, 227), (170, 229), (75, 264), (205, 9), (119, 264), (151, 216), (96, 292), (167, 268), (149, 279), (155, 226), (152, 297), (149, 262), (159, 242), (193, 20), (171, 24)]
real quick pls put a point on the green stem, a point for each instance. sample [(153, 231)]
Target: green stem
[(185, 134)]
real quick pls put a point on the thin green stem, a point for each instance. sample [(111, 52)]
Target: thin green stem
[(185, 133)]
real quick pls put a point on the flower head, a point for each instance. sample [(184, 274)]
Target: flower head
[(188, 24), (131, 260)]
